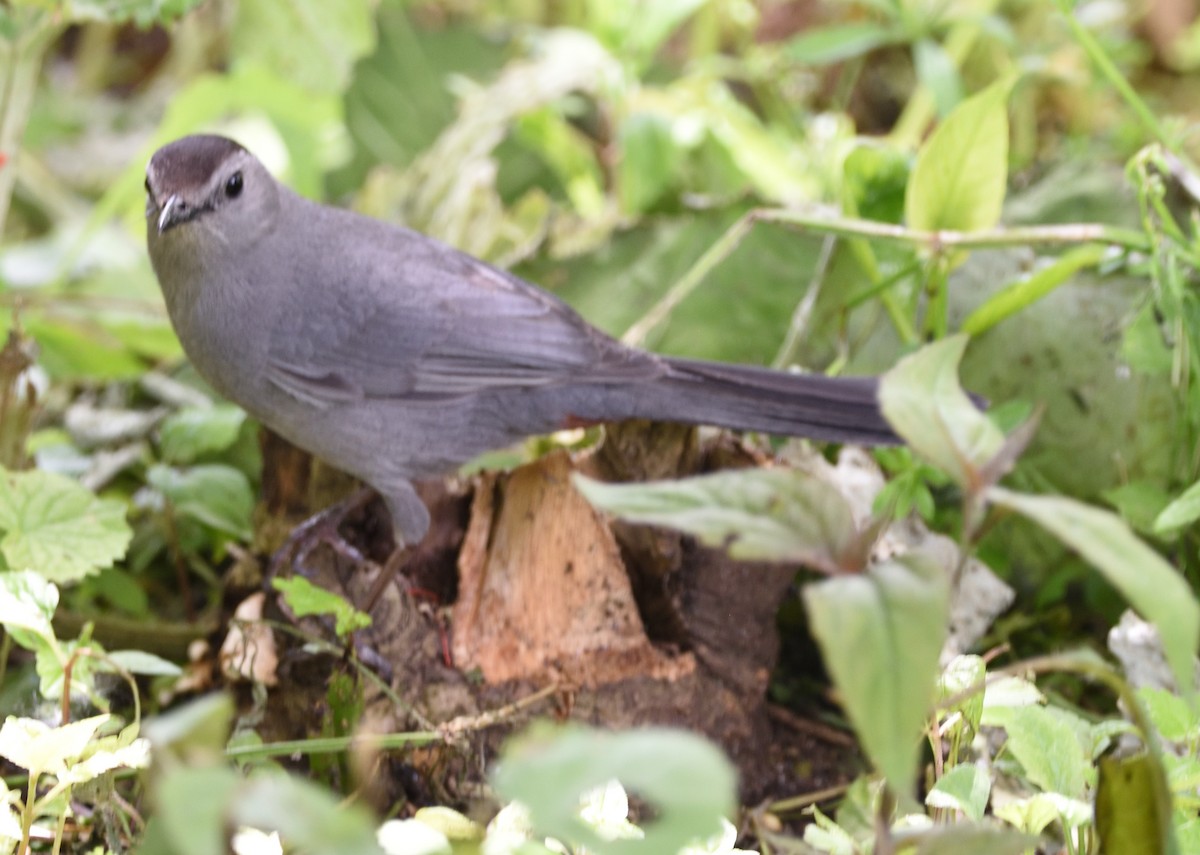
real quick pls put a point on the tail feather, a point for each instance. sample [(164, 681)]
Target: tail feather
[(744, 397)]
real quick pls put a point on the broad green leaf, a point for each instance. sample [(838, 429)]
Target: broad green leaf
[(450, 823), (959, 181), (189, 433), (38, 748), (310, 42), (1030, 289), (1183, 511), (880, 634), (304, 598), (78, 350), (306, 815), (650, 161), (1174, 720), (1035, 813), (216, 495), (968, 839), (685, 779), (1149, 583), (756, 514), (1133, 806), (1051, 744), (1139, 503), (141, 662), (826, 45), (964, 788), (57, 528), (193, 804), (27, 605), (922, 400)]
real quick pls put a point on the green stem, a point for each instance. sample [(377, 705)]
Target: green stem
[(1107, 68), (935, 243), (21, 60), (331, 744)]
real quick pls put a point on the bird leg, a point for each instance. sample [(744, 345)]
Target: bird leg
[(321, 528)]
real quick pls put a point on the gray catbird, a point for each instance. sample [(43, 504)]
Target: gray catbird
[(393, 356)]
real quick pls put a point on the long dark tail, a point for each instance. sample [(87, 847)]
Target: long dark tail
[(745, 397)]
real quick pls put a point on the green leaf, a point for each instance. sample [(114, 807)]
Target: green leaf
[(962, 169), (306, 815), (964, 788), (1028, 290), (880, 635), (568, 153), (312, 43), (755, 514), (142, 12), (1182, 511), (78, 350), (938, 73), (1171, 715), (826, 45), (304, 598), (922, 400), (27, 605), (976, 840), (636, 29), (141, 662), (216, 495), (688, 783), (56, 527), (189, 433), (1138, 502), (650, 161), (1133, 806), (38, 748), (1051, 744), (1150, 584)]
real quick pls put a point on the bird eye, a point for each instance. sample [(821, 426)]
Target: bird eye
[(233, 185), (149, 192)]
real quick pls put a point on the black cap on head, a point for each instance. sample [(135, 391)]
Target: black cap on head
[(191, 161)]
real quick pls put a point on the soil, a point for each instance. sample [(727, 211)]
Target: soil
[(524, 602)]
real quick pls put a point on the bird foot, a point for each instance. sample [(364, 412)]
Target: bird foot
[(320, 529)]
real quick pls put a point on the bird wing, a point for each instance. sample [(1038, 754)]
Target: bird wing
[(420, 321)]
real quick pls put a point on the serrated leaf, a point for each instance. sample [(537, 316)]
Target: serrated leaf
[(755, 514), (880, 634), (37, 747), (1151, 585), (687, 781), (57, 528), (216, 495), (189, 433), (1171, 715), (962, 169), (922, 400), (1050, 744)]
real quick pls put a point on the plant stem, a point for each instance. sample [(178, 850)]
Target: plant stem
[(934, 243), (21, 60)]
